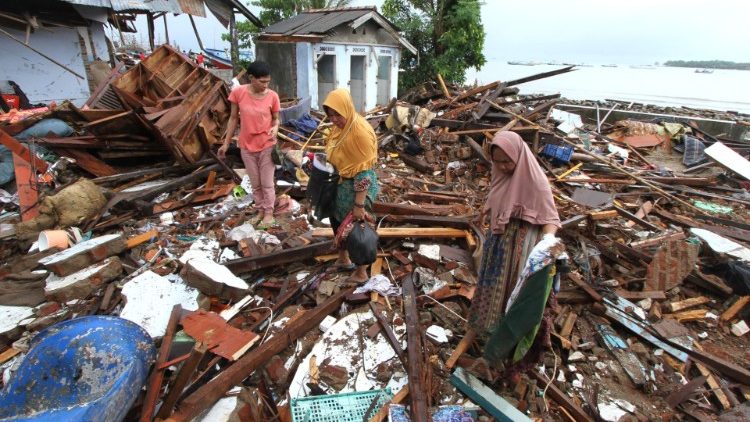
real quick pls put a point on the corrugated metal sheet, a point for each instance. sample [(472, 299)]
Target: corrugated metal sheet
[(170, 6), (308, 23), (330, 21), (193, 7)]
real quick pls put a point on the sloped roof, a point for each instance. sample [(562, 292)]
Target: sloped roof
[(193, 7), (322, 21)]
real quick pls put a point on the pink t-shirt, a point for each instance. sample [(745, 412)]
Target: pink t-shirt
[(256, 117)]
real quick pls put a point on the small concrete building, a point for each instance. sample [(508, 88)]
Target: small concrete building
[(317, 51)]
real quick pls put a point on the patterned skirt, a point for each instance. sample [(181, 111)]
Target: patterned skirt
[(503, 258)]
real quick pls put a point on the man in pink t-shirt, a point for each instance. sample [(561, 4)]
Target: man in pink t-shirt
[(257, 108)]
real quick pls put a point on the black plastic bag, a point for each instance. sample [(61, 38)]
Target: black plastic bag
[(321, 189), (362, 244)]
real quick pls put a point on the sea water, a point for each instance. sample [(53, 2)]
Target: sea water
[(663, 86)]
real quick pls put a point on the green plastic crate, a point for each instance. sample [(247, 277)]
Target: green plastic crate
[(347, 407)]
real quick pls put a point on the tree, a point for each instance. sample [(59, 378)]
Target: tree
[(273, 11), (448, 34)]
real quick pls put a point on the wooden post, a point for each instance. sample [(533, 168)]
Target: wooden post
[(150, 21), (234, 51), (166, 30)]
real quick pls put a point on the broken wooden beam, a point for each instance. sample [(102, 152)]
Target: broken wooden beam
[(561, 398), (153, 389), (285, 256), (415, 353), (395, 344), (403, 232), (462, 347), (181, 380), (733, 310), (205, 396), (416, 163), (687, 303)]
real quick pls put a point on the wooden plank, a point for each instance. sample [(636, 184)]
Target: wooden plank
[(712, 382), (687, 316), (153, 389), (398, 398), (8, 355), (207, 395), (141, 238), (27, 188), (443, 87), (87, 161), (389, 335), (402, 232), (645, 294), (244, 265), (736, 307), (635, 219), (567, 327), (418, 164), (415, 352), (586, 287), (486, 398), (486, 101), (407, 209), (602, 215), (462, 347), (24, 153), (181, 380), (687, 303)]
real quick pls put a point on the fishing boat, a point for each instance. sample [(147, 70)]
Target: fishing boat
[(643, 66), (609, 65), (220, 59), (704, 71)]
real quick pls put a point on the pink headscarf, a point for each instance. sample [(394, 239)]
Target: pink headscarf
[(524, 194)]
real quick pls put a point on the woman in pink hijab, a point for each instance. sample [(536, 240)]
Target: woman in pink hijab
[(522, 212)]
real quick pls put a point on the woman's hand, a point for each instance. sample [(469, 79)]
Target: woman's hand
[(223, 150), (273, 131), (358, 213)]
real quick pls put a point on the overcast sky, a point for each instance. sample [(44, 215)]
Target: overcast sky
[(591, 31)]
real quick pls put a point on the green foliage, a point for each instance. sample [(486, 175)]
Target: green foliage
[(708, 64), (448, 34)]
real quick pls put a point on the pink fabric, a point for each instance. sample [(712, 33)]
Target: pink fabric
[(524, 194), (260, 168), (256, 117)]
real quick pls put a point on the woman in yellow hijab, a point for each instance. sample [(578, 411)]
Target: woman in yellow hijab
[(353, 149)]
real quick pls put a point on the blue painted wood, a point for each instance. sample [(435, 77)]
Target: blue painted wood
[(482, 395)]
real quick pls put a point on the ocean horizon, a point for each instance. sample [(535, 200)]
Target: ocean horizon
[(722, 89)]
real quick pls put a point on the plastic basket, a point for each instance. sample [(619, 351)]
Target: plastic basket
[(347, 407), (556, 152)]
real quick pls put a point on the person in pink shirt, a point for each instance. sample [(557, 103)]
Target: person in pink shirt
[(257, 108)]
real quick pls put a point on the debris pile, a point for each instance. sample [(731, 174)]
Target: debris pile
[(650, 321)]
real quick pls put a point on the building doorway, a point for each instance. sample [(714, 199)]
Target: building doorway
[(357, 81)]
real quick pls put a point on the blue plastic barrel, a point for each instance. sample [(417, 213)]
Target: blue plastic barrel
[(86, 369)]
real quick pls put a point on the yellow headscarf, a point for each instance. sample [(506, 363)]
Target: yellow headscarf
[(355, 147)]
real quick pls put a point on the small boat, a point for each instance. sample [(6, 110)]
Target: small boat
[(704, 71), (643, 66), (85, 369), (609, 65), (517, 63), (220, 59)]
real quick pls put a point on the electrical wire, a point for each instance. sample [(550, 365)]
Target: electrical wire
[(270, 319)]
